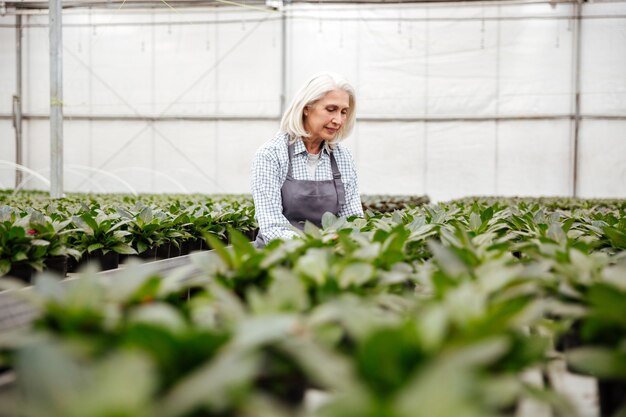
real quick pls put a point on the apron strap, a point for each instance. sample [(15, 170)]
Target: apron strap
[(290, 169), (341, 194)]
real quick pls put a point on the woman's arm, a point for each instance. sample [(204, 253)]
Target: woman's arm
[(267, 182), (353, 205)]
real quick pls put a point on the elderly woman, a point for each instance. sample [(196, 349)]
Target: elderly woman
[(304, 172)]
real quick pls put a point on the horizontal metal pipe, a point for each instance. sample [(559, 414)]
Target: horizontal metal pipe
[(377, 119), (325, 18)]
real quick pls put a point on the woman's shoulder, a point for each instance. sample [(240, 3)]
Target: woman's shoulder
[(341, 151), (277, 144)]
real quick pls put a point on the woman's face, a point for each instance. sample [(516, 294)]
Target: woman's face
[(325, 117)]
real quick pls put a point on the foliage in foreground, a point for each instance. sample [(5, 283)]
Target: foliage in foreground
[(429, 311)]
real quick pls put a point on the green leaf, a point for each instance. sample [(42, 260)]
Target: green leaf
[(599, 362), (220, 249), (328, 220), (141, 247), (124, 249), (355, 274), (145, 215), (617, 238), (94, 246), (39, 242), (20, 256), (5, 266), (474, 222), (314, 264), (90, 221)]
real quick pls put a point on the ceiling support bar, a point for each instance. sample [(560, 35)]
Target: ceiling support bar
[(56, 99)]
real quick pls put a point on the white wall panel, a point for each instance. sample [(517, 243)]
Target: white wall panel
[(390, 157), (122, 69), (461, 68), (392, 71), (602, 169), (318, 45), (185, 68), (237, 144), (460, 160), (535, 67), (77, 78), (7, 155), (36, 136), (186, 155), (603, 63), (534, 158), (36, 81), (249, 70), (8, 64)]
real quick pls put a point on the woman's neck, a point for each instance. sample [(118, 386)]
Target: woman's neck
[(313, 145)]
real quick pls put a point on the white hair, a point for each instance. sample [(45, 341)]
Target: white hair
[(313, 90)]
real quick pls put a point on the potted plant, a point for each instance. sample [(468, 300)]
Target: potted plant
[(101, 238)]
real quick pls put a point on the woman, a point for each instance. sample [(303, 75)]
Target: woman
[(303, 172)]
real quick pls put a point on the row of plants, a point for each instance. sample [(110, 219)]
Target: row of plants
[(37, 233), (438, 310), (379, 203)]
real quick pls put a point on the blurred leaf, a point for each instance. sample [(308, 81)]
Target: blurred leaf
[(599, 362)]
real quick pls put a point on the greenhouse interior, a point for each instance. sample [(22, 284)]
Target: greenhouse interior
[(324, 208)]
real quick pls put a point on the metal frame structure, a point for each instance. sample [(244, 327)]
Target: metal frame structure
[(53, 8)]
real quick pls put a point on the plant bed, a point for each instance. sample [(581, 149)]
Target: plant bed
[(106, 261), (611, 396), (57, 264), (195, 244), (163, 251), (22, 271), (149, 254)]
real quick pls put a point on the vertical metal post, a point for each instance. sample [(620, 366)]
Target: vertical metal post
[(577, 45), (283, 63), (56, 99), (17, 100)]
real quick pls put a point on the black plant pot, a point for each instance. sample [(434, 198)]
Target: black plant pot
[(185, 248), (174, 250), (72, 263), (195, 244), (282, 378), (570, 339), (163, 251), (612, 396), (149, 254), (22, 272), (57, 264), (251, 234), (105, 261)]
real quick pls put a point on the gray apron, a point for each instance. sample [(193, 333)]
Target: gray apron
[(309, 200)]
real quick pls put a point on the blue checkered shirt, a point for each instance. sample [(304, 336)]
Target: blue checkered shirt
[(269, 171)]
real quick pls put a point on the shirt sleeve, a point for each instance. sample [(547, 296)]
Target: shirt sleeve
[(266, 185), (353, 205)]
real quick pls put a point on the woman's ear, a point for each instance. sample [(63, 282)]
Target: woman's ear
[(306, 110)]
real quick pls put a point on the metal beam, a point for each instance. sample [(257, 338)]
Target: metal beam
[(371, 119), (283, 58), (17, 101), (56, 99), (577, 52)]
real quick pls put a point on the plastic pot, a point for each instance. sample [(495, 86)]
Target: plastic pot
[(105, 261), (22, 272), (57, 264)]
